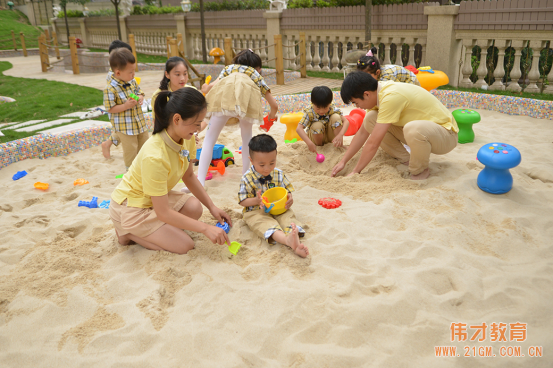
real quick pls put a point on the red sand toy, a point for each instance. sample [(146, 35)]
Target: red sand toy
[(355, 119), (330, 202), (220, 168), (267, 123)]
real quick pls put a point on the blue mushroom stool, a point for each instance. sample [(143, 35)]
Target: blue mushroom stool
[(498, 158)]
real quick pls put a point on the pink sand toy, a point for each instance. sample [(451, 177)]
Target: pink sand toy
[(320, 158), (355, 119)]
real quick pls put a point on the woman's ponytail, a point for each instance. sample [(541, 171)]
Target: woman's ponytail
[(160, 111)]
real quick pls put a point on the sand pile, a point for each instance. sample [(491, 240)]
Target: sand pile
[(389, 270)]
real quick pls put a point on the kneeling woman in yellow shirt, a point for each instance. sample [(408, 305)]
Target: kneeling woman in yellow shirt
[(405, 114), (144, 208)]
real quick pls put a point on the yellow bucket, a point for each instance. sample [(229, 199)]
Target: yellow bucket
[(278, 197)]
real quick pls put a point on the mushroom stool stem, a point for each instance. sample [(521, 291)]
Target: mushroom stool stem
[(498, 158), (465, 118), (291, 120)]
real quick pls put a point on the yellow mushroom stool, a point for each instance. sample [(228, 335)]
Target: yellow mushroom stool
[(216, 53), (291, 121)]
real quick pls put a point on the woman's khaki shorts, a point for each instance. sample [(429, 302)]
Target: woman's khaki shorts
[(141, 221)]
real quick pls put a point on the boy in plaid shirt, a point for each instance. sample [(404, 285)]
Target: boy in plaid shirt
[(262, 176), (322, 122), (113, 140), (125, 112)]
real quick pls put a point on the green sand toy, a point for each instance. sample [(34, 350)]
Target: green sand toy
[(119, 176), (134, 96), (465, 118), (234, 247)]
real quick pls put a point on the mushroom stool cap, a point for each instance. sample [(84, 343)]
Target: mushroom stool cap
[(465, 118), (216, 51), (499, 156)]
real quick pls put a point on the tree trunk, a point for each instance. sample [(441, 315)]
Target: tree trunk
[(66, 25), (116, 4), (368, 20), (45, 8), (204, 51)]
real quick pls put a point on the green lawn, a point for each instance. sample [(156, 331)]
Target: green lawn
[(18, 22), (41, 99)]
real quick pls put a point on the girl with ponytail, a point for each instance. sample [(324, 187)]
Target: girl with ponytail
[(144, 207), (370, 64), (174, 78)]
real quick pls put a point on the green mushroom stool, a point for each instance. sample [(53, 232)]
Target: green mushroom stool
[(465, 118)]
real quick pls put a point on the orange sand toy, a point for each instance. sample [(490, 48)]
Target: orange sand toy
[(291, 121), (80, 182), (220, 167), (41, 186), (431, 81)]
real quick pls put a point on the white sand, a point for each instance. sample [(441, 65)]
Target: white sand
[(389, 271)]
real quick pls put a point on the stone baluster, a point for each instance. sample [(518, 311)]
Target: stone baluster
[(292, 53), (549, 88), (335, 59), (263, 52), (534, 73), (482, 70), (317, 56), (308, 51), (499, 71), (412, 42), (423, 52), (208, 47), (326, 59), (516, 73), (344, 52), (285, 51), (387, 50), (467, 65), (399, 47), (198, 47)]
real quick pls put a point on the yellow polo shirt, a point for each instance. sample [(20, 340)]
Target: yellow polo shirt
[(156, 170), (400, 103)]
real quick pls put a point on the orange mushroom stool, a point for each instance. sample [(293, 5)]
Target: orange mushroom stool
[(216, 53), (291, 121), (431, 81)]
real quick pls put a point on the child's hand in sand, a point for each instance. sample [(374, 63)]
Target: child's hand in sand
[(336, 169), (289, 202), (338, 141), (312, 147)]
